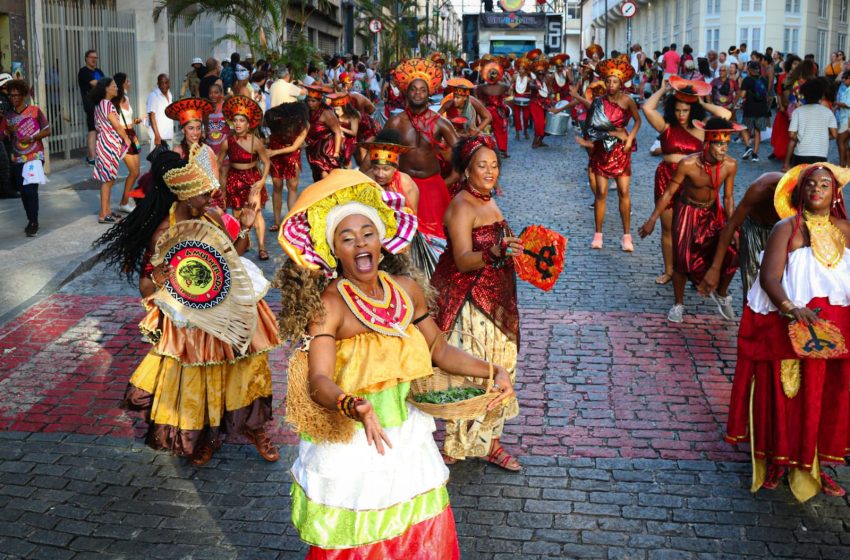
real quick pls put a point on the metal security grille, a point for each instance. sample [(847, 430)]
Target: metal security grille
[(70, 29), (328, 44), (185, 42)]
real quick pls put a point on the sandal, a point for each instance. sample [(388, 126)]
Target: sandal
[(774, 476), (108, 219), (264, 446), (830, 487), (663, 279), (263, 255), (502, 459), (274, 227), (203, 455)]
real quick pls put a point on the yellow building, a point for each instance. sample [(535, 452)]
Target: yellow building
[(817, 27)]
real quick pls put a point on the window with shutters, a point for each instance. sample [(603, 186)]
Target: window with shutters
[(823, 9), (792, 6), (842, 10), (713, 7), (821, 48), (755, 39)]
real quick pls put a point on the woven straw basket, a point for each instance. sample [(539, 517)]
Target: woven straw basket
[(440, 381)]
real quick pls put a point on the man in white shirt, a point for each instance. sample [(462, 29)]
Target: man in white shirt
[(284, 91), (312, 75), (637, 58), (812, 125), (161, 128)]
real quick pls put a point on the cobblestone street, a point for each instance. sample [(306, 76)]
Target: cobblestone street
[(620, 430)]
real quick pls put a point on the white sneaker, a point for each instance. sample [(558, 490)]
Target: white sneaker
[(724, 306), (676, 313), (127, 208)]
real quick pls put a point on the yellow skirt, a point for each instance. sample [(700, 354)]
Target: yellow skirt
[(472, 438), (192, 387)]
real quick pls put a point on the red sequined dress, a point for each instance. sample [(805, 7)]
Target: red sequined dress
[(240, 181), (284, 166), (320, 146), (491, 290), (674, 140), (617, 162)]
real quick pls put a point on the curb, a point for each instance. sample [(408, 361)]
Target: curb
[(70, 272)]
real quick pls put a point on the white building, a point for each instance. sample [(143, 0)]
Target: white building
[(816, 27)]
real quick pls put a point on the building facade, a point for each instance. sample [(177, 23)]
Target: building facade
[(45, 41), (817, 27)]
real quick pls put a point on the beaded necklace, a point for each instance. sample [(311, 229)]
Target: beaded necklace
[(476, 193), (388, 316)]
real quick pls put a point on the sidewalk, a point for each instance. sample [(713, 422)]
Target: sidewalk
[(68, 225)]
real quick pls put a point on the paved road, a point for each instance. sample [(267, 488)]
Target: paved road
[(620, 429)]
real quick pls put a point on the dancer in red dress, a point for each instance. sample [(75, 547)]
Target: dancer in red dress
[(349, 122), (612, 146), (794, 410), (561, 79), (324, 137), (245, 186), (492, 94), (679, 137), (288, 123), (367, 127), (698, 216)]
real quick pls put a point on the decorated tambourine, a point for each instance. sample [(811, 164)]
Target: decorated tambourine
[(209, 288)]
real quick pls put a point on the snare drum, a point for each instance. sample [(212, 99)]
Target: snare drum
[(522, 101), (557, 124)]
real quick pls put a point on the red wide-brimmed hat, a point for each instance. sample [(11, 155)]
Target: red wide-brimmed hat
[(245, 106), (318, 92), (689, 91), (189, 109)]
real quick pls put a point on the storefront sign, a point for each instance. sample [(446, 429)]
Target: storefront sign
[(517, 20)]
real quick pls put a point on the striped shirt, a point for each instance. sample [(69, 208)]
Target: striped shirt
[(812, 123)]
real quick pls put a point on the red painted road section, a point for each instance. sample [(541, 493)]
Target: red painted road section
[(590, 384)]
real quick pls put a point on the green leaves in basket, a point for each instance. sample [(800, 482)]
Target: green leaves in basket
[(448, 396)]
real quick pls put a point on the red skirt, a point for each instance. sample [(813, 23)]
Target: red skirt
[(239, 183), (284, 166), (432, 539), (779, 136), (787, 430), (433, 201), (663, 173), (613, 164), (320, 156), (696, 232)]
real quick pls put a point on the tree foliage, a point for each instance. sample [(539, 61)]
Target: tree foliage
[(261, 26)]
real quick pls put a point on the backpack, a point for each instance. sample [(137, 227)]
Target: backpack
[(760, 90)]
